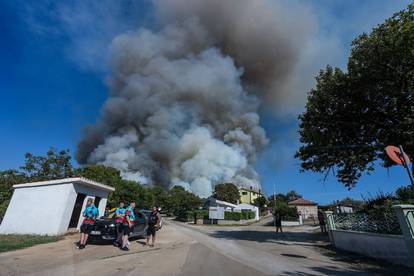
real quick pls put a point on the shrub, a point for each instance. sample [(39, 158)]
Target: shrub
[(201, 214), (236, 216), (251, 214), (286, 212), (233, 216), (247, 215), (186, 216), (228, 215)]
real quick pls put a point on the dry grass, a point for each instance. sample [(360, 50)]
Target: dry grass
[(14, 242)]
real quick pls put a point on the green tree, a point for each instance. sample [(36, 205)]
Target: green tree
[(227, 192), (100, 173), (261, 203), (406, 194), (7, 180), (180, 201), (54, 165), (351, 116), (277, 197), (125, 191), (159, 197), (285, 211), (292, 195)]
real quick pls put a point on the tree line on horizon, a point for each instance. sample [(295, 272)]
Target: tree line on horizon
[(57, 165), (175, 201)]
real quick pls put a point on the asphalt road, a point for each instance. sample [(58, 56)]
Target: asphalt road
[(197, 250)]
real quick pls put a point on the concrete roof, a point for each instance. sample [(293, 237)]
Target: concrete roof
[(78, 180), (302, 201), (222, 202)]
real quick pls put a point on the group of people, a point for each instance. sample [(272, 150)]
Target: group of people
[(124, 224)]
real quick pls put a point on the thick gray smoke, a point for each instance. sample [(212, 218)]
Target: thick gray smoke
[(183, 108)]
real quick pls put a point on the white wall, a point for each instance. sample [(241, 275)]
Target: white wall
[(46, 210), (388, 247), (36, 210)]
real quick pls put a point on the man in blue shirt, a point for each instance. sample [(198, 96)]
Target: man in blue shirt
[(90, 215), (119, 218), (128, 225)]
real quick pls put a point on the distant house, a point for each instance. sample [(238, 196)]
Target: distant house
[(306, 208), (248, 195), (230, 207), (344, 209)]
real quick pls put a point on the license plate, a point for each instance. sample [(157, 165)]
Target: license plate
[(95, 232)]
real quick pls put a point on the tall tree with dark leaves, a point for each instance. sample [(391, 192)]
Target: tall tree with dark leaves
[(227, 192), (352, 116), (55, 165)]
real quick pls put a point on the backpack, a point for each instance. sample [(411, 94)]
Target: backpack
[(152, 220)]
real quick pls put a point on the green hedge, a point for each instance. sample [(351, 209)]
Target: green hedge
[(201, 214), (186, 216), (245, 215), (232, 215), (286, 212)]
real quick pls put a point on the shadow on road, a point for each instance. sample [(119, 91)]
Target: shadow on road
[(290, 238), (334, 271), (320, 243)]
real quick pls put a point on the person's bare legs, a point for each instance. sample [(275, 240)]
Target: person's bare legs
[(153, 240), (120, 237), (125, 240), (84, 238), (81, 239), (148, 238)]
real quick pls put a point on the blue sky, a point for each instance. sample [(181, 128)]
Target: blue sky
[(52, 84)]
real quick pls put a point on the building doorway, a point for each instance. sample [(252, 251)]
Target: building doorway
[(74, 219), (97, 200)]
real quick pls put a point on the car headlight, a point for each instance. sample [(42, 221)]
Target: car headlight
[(111, 225)]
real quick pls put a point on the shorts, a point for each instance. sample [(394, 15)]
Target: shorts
[(151, 230), (118, 227), (86, 228), (126, 229)]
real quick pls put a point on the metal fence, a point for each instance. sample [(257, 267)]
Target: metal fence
[(382, 223)]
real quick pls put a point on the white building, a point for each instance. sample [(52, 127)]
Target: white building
[(230, 207), (52, 207), (248, 207), (212, 202)]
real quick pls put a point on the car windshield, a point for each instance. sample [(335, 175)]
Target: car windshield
[(147, 213)]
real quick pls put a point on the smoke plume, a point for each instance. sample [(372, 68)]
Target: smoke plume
[(184, 98)]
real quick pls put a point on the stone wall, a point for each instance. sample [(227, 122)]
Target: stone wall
[(391, 248)]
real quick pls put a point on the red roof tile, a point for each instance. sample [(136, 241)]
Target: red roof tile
[(301, 201)]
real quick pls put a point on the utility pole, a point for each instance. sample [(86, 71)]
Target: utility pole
[(274, 205), (405, 164)]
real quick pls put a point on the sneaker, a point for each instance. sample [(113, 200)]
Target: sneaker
[(125, 248), (81, 246)]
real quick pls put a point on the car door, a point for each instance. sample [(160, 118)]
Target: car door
[(140, 224)]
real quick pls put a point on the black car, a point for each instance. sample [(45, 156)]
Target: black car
[(104, 228)]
